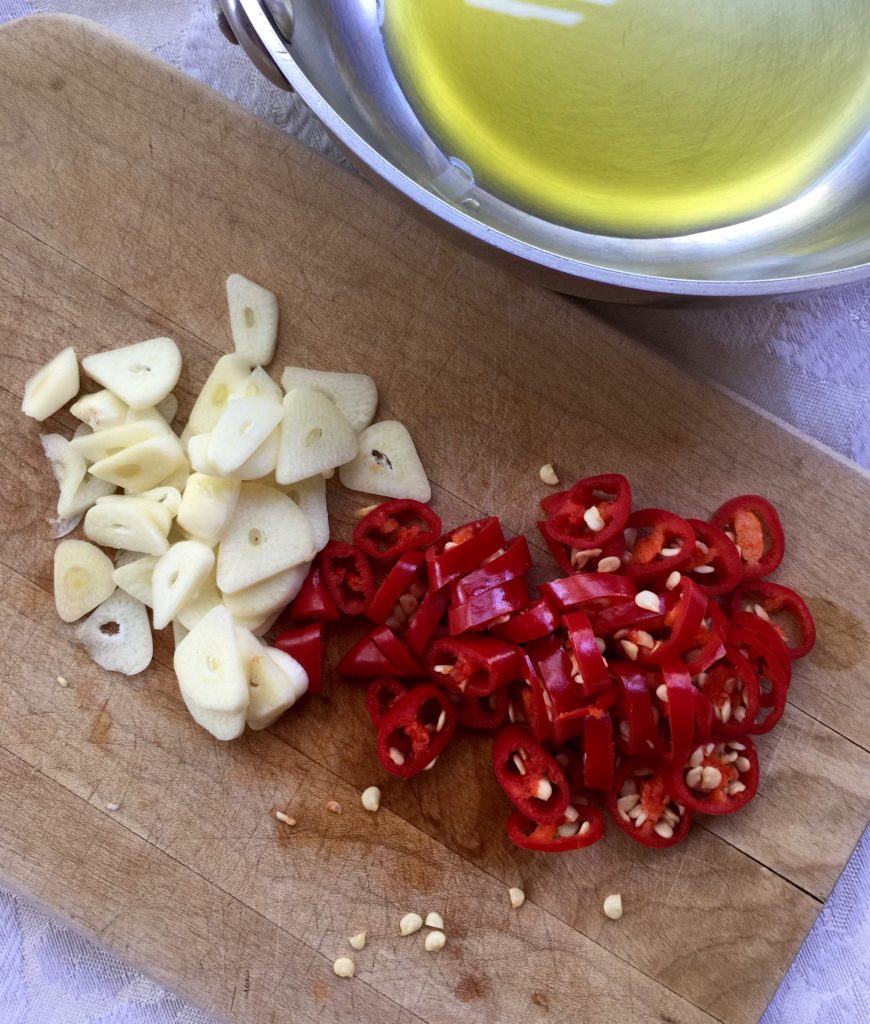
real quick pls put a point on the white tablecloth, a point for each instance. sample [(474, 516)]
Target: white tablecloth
[(806, 361)]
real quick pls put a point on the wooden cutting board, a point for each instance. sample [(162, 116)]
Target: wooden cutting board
[(127, 194)]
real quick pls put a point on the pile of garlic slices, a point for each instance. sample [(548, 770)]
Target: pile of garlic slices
[(215, 529)]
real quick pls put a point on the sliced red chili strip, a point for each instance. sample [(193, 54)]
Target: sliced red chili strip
[(490, 606), (514, 561), (415, 731), (767, 633), (561, 552), (709, 643), (348, 577), (424, 623), (582, 825), (599, 754), (584, 589), (476, 665), (381, 695), (463, 550), (626, 615), (679, 708), (591, 513), (638, 728), (783, 608), (731, 687), (400, 657), (379, 653), (306, 646), (561, 693), (715, 563), (663, 542), (529, 624), (531, 778), (483, 712), (533, 702), (718, 778), (753, 524), (772, 679), (657, 818), (683, 618), (395, 527), (314, 602), (590, 663), (703, 717), (403, 575)]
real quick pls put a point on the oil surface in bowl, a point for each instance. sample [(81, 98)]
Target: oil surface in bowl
[(649, 117)]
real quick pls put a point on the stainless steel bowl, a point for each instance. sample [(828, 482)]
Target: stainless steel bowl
[(332, 53)]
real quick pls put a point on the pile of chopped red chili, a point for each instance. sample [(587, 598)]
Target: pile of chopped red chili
[(635, 682)]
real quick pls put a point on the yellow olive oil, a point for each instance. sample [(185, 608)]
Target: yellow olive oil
[(650, 117)]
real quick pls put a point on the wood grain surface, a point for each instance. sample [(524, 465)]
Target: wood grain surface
[(127, 194)]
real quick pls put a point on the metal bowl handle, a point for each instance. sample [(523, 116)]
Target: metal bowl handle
[(235, 25)]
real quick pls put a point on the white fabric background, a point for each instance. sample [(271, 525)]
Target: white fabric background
[(806, 361)]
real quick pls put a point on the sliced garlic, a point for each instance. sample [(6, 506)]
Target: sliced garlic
[(99, 410), (310, 496), (268, 596), (211, 675), (134, 577), (315, 436), (244, 425), (197, 452), (117, 636), (206, 506), (81, 498), (52, 386), (266, 535), (140, 375), (179, 632), (69, 469), (125, 523), (253, 319), (103, 444), (355, 394), (387, 464), (263, 461), (178, 577), (143, 465), (168, 497), (195, 610), (178, 479), (158, 513), (275, 685), (229, 374), (168, 407), (82, 578), (259, 383)]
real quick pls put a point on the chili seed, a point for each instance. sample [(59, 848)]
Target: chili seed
[(371, 798), (442, 721), (662, 693), (434, 920), (450, 545), (629, 649), (643, 639), (663, 829), (584, 828), (392, 623), (702, 678), (430, 765), (709, 748), (740, 714), (61, 681), (726, 711), (417, 589), (601, 644), (357, 941), (697, 757), (593, 519), (647, 600), (730, 757), (629, 786), (729, 685), (636, 811), (730, 535), (518, 762), (548, 475), (673, 581), (344, 967), (409, 604), (613, 906), (624, 731), (333, 806), (735, 787), (693, 777), (285, 818), (736, 745), (670, 552), (703, 569), (435, 941), (517, 897), (711, 778), (399, 612), (571, 813), (568, 829), (361, 513), (543, 791), (702, 547), (609, 564), (443, 670), (410, 923), (640, 819), (742, 764), (396, 756), (625, 803), (760, 612)]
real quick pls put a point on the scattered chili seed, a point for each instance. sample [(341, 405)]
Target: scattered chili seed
[(613, 906)]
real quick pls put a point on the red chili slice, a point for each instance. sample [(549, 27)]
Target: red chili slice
[(415, 731), (682, 621), (491, 606), (579, 591), (679, 708), (529, 624), (638, 727), (463, 550), (709, 643), (703, 717), (483, 712), (663, 542), (656, 818), (785, 609), (753, 524), (767, 633), (772, 679), (395, 527), (627, 615), (497, 570), (533, 707), (731, 687), (402, 581), (599, 754), (582, 825), (348, 576), (314, 602), (591, 513), (306, 646), (476, 666), (589, 660), (379, 653), (531, 778), (715, 563), (718, 778), (424, 623), (381, 695)]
